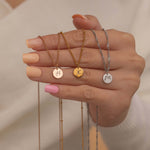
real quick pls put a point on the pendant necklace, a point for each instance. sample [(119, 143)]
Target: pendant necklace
[(57, 73), (107, 77), (78, 72)]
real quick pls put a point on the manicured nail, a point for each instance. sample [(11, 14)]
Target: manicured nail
[(33, 43), (33, 72), (30, 58), (51, 89), (79, 16)]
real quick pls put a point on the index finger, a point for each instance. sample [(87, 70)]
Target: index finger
[(117, 40)]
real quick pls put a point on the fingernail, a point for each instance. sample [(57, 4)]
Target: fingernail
[(51, 89), (30, 58), (79, 16), (33, 72), (36, 42)]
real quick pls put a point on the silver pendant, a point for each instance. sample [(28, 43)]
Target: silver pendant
[(57, 73), (107, 78)]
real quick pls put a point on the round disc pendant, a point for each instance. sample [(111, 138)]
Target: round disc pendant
[(57, 73), (107, 78), (78, 72)]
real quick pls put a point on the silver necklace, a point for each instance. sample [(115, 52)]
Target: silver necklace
[(107, 77)]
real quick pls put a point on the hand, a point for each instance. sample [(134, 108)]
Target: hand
[(126, 68)]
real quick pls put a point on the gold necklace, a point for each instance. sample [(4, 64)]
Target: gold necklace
[(78, 71)]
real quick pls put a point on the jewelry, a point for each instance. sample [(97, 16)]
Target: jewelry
[(78, 71), (88, 127), (57, 73), (39, 127), (107, 77), (96, 127)]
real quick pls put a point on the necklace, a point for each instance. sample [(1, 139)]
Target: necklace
[(57, 73), (39, 128), (107, 77), (78, 72)]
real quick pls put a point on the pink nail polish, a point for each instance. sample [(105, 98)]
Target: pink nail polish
[(51, 89)]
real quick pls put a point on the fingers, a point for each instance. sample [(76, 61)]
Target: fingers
[(91, 58), (90, 77), (86, 22), (83, 93), (117, 40)]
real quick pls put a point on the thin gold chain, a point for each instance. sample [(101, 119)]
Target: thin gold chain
[(58, 48), (77, 64), (45, 46), (39, 127), (68, 46)]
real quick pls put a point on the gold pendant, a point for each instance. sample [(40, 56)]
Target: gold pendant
[(78, 72)]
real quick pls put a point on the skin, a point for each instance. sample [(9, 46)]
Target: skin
[(126, 68), (14, 3)]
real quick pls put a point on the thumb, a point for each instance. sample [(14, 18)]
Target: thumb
[(86, 22)]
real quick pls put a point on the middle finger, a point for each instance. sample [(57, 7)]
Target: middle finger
[(91, 58)]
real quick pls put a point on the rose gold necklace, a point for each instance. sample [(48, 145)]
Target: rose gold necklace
[(57, 73)]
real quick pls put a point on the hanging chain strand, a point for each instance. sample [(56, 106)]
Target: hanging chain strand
[(60, 100), (60, 103), (39, 127), (96, 127), (88, 127), (60, 125), (107, 68), (77, 64), (82, 126)]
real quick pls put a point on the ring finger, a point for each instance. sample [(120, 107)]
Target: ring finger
[(90, 77)]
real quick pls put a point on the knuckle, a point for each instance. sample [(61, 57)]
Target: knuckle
[(128, 39), (85, 57), (138, 62), (86, 77), (88, 93), (133, 81), (77, 36), (141, 61)]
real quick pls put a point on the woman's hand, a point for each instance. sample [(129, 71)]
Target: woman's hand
[(126, 68)]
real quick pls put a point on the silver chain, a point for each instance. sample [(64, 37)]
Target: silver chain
[(108, 47), (106, 67)]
